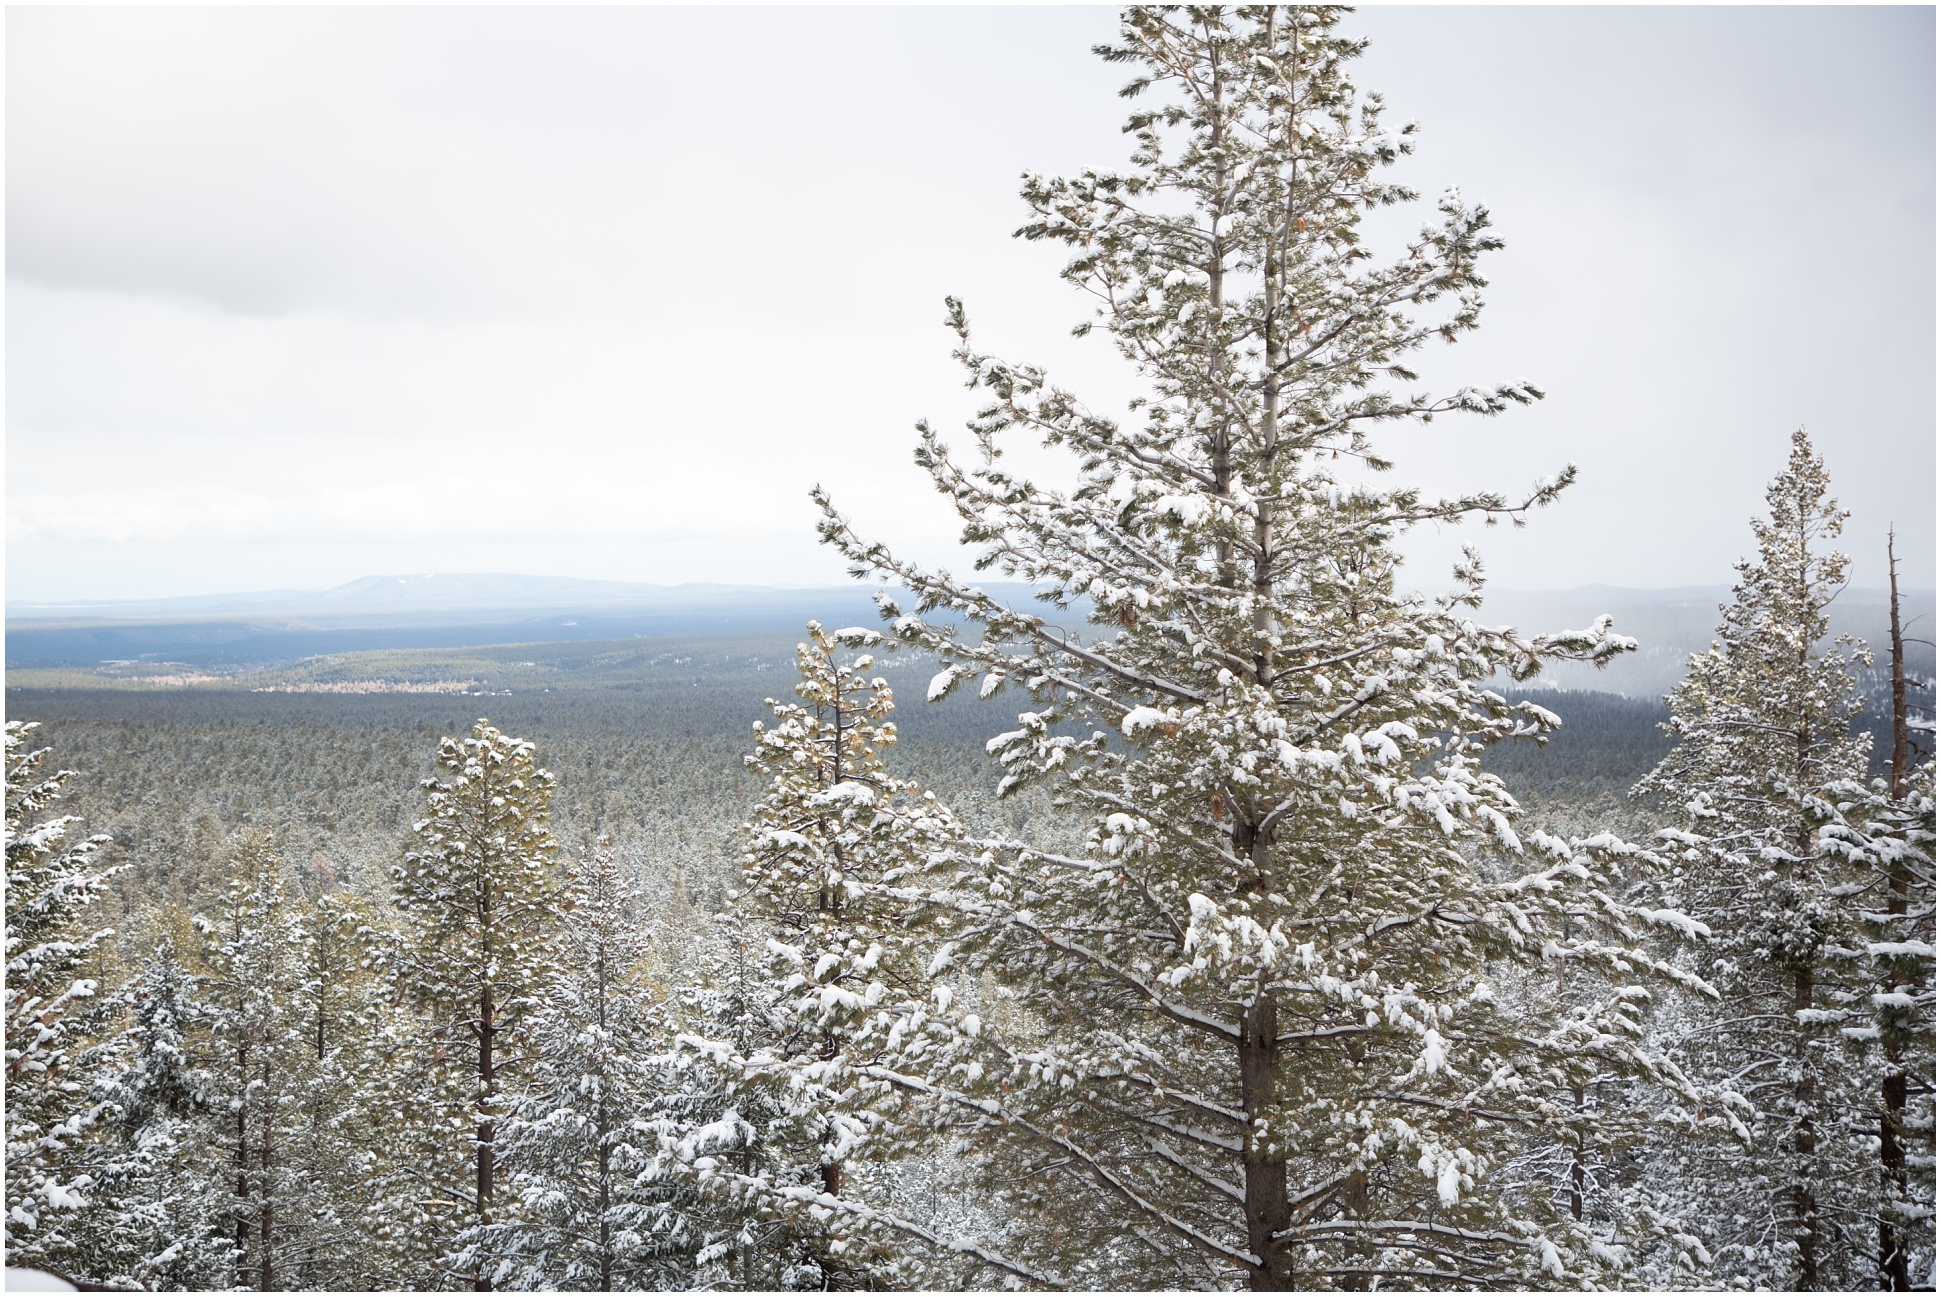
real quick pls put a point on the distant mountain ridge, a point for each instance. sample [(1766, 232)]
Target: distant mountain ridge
[(436, 610), (486, 591), (431, 592)]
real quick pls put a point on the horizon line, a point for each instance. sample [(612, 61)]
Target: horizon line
[(644, 587)]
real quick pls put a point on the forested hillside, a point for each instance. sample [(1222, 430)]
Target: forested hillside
[(1280, 931), (648, 753)]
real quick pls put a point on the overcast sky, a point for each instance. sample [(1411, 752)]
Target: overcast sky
[(299, 295)]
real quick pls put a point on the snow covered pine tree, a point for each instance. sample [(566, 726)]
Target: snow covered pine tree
[(1886, 831), (50, 883), (833, 829), (1766, 767), (159, 1214), (263, 1063), (482, 899), (1252, 1032), (356, 1039), (744, 1133), (571, 1143), (1895, 831)]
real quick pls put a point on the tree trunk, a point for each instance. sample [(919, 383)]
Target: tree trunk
[(1893, 1082), (1577, 1162), (266, 1216), (242, 1169), (1355, 1196), (1266, 1173), (1220, 450), (1893, 1171), (269, 1280), (1897, 764), (605, 1204), (1805, 1209), (481, 1282)]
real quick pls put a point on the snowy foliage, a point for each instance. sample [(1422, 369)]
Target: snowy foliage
[(277, 1084), (51, 879), (481, 898), (159, 1215), (576, 1144), (1888, 836), (808, 953), (1249, 1031), (1782, 855), (747, 1129), (1259, 979), (350, 1047)]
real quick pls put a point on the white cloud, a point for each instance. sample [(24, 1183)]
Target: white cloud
[(614, 286), (123, 516)]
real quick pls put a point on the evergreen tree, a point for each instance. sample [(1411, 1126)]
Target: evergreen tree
[(1903, 856), (158, 1217), (571, 1141), (752, 1119), (481, 899), (341, 1137), (405, 1124), (263, 1067), (1249, 1032), (1887, 838), (751, 1136), (1762, 723), (51, 880), (1887, 830), (833, 829)]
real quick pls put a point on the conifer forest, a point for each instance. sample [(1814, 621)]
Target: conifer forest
[(1228, 916)]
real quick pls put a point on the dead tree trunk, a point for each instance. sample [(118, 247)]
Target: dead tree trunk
[(1893, 1081), (1897, 764)]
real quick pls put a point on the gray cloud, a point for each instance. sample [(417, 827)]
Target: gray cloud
[(280, 275)]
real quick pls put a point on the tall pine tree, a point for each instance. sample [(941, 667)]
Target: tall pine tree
[(482, 900), (1252, 1034), (572, 1142), (1762, 722), (1899, 844)]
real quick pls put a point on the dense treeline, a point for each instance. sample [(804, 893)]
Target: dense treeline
[(171, 776), (334, 778)]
